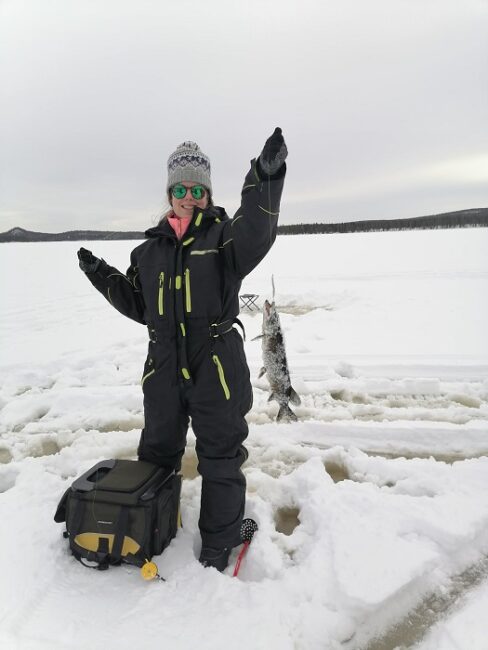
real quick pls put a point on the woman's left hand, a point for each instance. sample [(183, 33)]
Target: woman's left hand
[(274, 153)]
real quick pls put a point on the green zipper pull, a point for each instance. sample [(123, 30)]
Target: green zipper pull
[(161, 294), (188, 290), (220, 370)]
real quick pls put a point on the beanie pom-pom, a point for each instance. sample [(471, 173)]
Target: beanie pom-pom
[(188, 145)]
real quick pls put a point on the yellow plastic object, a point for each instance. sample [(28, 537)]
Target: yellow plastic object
[(185, 373), (90, 541), (149, 571)]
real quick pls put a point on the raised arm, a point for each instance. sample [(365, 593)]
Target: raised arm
[(251, 233), (122, 291)]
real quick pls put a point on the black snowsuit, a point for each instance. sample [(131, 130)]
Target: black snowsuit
[(186, 292)]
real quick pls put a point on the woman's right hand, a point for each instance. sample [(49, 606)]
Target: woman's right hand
[(88, 262)]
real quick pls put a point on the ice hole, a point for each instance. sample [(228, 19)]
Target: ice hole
[(44, 448), (5, 456), (189, 464), (286, 520), (336, 471)]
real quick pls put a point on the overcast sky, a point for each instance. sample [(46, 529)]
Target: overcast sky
[(383, 104)]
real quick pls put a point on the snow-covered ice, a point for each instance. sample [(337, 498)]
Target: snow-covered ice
[(373, 507)]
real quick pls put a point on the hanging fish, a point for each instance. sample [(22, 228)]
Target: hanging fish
[(275, 364)]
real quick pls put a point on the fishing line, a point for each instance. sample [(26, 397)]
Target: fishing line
[(270, 227), (269, 208)]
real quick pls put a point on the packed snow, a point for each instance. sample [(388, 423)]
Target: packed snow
[(372, 508)]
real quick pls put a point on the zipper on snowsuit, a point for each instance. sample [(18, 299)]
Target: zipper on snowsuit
[(148, 374), (161, 294), (182, 305), (220, 370), (188, 290)]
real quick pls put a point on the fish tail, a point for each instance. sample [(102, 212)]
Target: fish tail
[(294, 397), (285, 413)]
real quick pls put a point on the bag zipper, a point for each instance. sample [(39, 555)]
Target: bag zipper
[(220, 370), (161, 294)]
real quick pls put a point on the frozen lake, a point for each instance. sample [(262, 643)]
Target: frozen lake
[(373, 507)]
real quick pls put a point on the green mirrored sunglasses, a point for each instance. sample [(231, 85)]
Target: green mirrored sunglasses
[(179, 191)]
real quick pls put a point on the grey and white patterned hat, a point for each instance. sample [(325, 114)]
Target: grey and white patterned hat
[(189, 163)]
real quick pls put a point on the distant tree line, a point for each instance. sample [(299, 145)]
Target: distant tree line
[(460, 219), (476, 218)]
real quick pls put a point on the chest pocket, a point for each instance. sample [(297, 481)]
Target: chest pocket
[(202, 282), (155, 284), (161, 292)]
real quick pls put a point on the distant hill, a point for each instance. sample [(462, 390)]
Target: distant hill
[(22, 235), (477, 217)]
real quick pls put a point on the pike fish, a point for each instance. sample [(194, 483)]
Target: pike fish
[(275, 364)]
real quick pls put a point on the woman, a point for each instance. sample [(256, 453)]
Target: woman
[(183, 284)]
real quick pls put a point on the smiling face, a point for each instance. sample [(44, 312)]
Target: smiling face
[(184, 207)]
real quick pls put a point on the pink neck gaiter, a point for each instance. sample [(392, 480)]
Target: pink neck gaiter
[(179, 224)]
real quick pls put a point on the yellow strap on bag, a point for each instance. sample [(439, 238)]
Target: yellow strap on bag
[(90, 541)]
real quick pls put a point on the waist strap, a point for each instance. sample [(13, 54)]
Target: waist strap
[(217, 329), (214, 329)]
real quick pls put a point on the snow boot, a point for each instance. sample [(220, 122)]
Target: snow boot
[(216, 557)]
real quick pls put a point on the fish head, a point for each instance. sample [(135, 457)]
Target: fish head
[(271, 320)]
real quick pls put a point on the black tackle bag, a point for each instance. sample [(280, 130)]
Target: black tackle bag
[(121, 511)]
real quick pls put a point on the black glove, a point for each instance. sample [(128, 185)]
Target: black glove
[(273, 154), (88, 262)]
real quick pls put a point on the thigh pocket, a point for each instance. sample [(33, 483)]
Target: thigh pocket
[(221, 374), (232, 370), (148, 372)]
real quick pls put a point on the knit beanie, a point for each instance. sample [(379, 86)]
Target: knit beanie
[(189, 163)]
